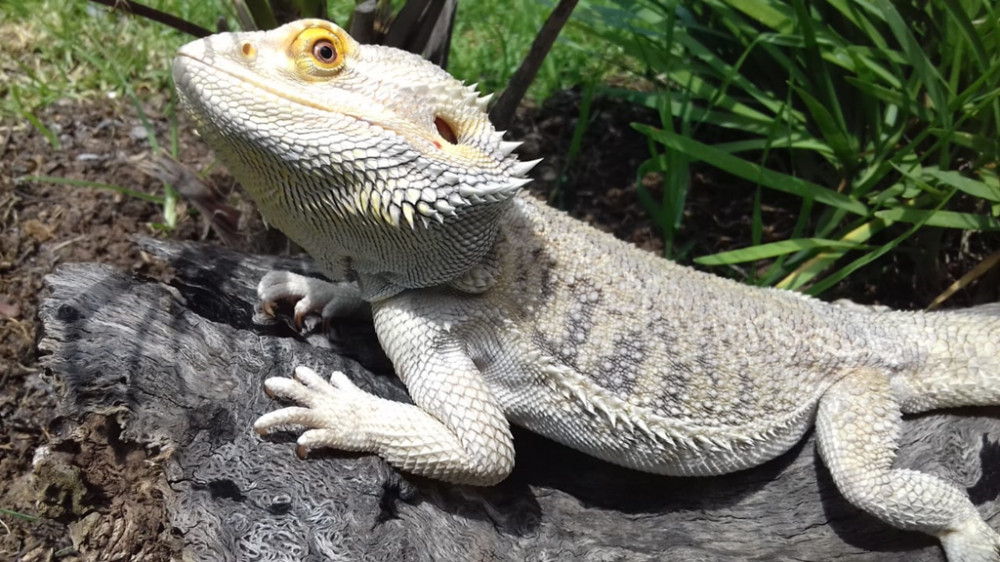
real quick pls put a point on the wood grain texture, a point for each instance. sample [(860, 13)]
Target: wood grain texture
[(182, 366)]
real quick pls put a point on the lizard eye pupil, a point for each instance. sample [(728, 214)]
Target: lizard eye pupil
[(324, 51)]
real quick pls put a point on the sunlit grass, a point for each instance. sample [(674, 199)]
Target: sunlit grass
[(41, 42), (878, 116)]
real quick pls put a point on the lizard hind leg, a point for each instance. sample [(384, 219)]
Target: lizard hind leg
[(962, 364), (858, 424)]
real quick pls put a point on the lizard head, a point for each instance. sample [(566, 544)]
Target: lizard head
[(369, 157)]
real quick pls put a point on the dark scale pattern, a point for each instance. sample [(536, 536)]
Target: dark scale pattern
[(583, 296), (617, 372)]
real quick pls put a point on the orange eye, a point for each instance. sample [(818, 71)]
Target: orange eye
[(319, 52), (324, 51)]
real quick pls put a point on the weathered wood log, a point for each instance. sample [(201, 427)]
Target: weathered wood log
[(183, 364)]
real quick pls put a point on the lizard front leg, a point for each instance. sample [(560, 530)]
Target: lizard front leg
[(455, 432)]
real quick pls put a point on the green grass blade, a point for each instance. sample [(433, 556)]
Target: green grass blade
[(110, 68), (774, 249), (94, 185), (754, 172), (262, 14), (868, 258), (18, 514), (833, 115), (46, 132), (703, 89), (961, 19), (809, 270), (790, 141), (853, 11), (981, 144), (831, 128), (774, 15), (946, 219), (922, 66), (888, 95), (729, 76), (805, 273), (780, 265), (746, 121), (966, 184)]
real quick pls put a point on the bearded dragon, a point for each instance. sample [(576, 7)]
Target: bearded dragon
[(496, 309)]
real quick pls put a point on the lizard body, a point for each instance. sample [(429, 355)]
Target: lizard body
[(496, 309)]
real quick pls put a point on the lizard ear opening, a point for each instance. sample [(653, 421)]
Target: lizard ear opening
[(445, 130)]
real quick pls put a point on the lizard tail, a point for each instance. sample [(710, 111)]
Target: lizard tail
[(962, 365)]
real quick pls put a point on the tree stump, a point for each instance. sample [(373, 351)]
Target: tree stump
[(180, 368)]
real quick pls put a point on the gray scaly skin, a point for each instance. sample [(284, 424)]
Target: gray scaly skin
[(496, 309)]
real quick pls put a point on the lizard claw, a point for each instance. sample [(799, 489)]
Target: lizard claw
[(268, 392), (309, 295), (268, 307)]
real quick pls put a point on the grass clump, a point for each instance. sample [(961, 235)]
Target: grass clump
[(491, 39), (45, 43), (879, 116)]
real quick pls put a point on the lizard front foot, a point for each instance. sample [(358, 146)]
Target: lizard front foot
[(332, 412), (310, 295), (340, 415)]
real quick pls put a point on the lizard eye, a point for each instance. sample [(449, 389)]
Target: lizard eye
[(319, 53), (324, 52)]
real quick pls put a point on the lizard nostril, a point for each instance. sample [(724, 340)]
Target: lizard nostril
[(248, 50), (445, 130)]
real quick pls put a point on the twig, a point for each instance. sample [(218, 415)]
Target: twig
[(503, 111), (170, 20), (974, 273)]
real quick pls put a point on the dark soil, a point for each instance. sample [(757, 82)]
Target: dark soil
[(77, 485)]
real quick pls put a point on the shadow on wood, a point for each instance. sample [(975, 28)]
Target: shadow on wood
[(181, 367)]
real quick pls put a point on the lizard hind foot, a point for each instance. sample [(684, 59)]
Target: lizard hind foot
[(971, 541), (309, 295)]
